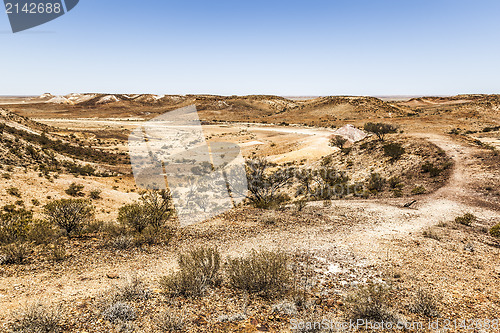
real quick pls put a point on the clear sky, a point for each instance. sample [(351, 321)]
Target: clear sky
[(315, 47)]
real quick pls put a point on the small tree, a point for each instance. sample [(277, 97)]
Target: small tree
[(380, 129), (265, 184), (338, 141), (69, 214), (75, 190), (154, 209)]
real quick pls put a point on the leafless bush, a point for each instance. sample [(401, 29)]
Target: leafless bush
[(265, 183)]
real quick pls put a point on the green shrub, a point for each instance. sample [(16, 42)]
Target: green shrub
[(69, 214), (495, 231), (338, 141), (466, 219), (265, 183), (41, 232), (154, 236), (264, 272), (376, 182), (419, 190), (394, 151), (75, 190), (35, 202), (395, 182), (14, 224), (397, 192), (431, 169), (380, 129), (199, 269), (154, 209), (95, 194)]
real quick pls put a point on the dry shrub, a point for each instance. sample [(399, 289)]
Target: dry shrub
[(264, 272), (133, 289), (15, 253), (119, 311), (426, 303), (168, 321), (371, 302), (431, 233), (199, 269), (37, 318)]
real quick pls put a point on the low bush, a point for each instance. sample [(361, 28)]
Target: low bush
[(37, 318), (71, 215), (431, 233), (371, 302), (15, 253), (431, 169), (119, 311), (426, 303), (154, 209), (169, 321), (264, 272), (42, 232), (14, 191), (132, 290), (466, 219), (418, 190), (495, 231), (75, 190), (394, 150), (198, 270), (95, 194), (14, 224), (376, 182)]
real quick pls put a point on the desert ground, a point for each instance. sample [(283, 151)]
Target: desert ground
[(417, 241)]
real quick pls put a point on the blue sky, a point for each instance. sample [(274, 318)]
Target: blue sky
[(315, 47)]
